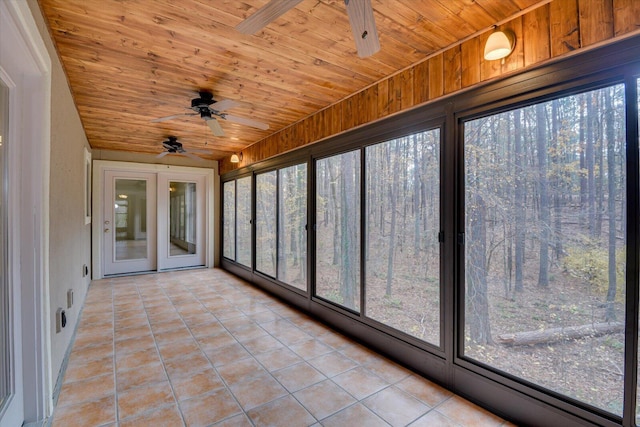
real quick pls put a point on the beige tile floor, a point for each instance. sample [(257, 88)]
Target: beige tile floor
[(201, 347)]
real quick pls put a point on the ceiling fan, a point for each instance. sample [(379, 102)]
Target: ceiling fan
[(172, 145), (363, 24), (211, 110)]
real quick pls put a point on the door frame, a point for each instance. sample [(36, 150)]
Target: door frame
[(26, 65), (100, 166)]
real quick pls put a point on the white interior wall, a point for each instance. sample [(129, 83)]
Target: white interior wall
[(69, 236)]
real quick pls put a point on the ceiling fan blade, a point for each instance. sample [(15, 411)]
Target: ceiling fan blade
[(175, 116), (215, 127), (243, 121), (225, 104), (266, 14), (363, 27), (195, 150), (161, 155), (191, 156)]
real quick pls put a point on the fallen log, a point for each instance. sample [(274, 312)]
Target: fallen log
[(547, 336)]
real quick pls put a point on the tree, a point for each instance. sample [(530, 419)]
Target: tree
[(610, 314), (393, 205), (349, 226), (543, 272), (518, 202), (478, 303)]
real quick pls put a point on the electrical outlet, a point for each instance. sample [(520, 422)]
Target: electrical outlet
[(69, 298)]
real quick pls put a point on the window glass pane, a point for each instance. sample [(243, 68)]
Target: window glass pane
[(545, 247), (266, 222), (338, 229), (182, 218), (292, 237), (130, 208), (243, 221), (402, 225), (229, 220)]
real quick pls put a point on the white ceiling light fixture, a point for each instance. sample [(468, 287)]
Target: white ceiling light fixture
[(499, 45)]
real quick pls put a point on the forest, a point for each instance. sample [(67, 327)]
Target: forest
[(543, 245), (545, 211), (402, 205)]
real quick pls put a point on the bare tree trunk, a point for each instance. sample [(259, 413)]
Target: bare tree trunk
[(393, 200), (590, 164), (543, 272), (548, 336), (478, 306), (610, 314), (348, 230), (336, 214), (519, 201), (557, 207), (416, 199)]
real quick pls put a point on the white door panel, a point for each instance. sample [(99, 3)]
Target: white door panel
[(181, 221), (129, 222)]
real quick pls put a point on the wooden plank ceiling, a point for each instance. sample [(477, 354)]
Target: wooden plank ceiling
[(131, 61)]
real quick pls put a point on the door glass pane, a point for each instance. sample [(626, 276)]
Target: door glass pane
[(402, 225), (182, 218), (243, 221), (545, 204), (338, 229), (5, 319), (229, 220), (266, 222), (130, 219), (292, 233)]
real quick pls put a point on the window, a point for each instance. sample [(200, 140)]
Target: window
[(545, 226), (266, 222), (243, 221), (502, 264), (292, 218), (338, 229), (229, 220), (402, 226)]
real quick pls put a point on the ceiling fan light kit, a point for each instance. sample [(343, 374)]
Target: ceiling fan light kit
[(173, 146), (211, 110)]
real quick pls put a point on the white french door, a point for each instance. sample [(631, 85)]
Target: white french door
[(129, 222), (181, 221), (153, 220)]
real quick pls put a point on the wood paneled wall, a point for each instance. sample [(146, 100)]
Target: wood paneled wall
[(548, 32)]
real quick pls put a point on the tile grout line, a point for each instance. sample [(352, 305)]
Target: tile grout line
[(226, 386), (115, 379), (155, 345)]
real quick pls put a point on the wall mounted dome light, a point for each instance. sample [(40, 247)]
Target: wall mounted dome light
[(235, 158), (499, 45)]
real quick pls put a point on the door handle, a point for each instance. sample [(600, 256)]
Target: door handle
[(106, 230)]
